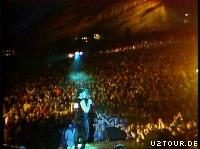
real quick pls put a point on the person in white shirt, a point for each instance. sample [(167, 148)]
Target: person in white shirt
[(70, 136)]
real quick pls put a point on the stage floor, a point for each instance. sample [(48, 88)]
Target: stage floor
[(129, 144)]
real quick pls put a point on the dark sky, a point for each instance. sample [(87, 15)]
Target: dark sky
[(18, 15)]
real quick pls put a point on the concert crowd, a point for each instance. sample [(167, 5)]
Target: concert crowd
[(137, 91)]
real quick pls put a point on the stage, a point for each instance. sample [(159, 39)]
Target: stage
[(129, 144)]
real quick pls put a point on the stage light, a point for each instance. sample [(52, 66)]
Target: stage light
[(81, 53), (70, 55), (76, 53)]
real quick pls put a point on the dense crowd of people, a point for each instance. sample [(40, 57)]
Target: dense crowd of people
[(144, 89)]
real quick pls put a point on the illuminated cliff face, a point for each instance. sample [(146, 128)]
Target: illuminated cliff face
[(116, 18), (138, 16)]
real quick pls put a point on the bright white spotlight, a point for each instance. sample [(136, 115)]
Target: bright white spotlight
[(76, 53), (81, 53)]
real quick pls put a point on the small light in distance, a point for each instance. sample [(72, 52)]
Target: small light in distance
[(96, 36), (81, 53), (186, 14), (197, 70)]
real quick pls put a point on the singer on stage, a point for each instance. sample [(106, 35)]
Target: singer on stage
[(82, 106)]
